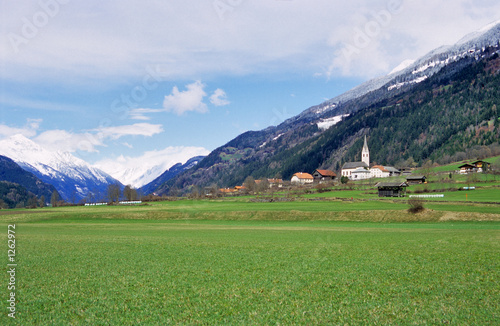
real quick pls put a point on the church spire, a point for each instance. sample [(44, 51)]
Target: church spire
[(365, 154)]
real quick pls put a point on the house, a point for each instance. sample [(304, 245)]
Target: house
[(324, 175), (416, 179), (392, 189), (302, 178), (481, 165), (275, 183), (360, 174), (467, 168), (379, 171), (227, 190), (393, 172), (405, 171), (349, 167)]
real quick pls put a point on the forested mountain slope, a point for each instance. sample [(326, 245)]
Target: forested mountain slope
[(448, 113)]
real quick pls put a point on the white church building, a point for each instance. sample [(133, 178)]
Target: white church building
[(358, 170), (361, 170)]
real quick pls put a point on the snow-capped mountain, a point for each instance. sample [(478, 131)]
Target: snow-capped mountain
[(73, 178), (410, 72), (139, 171), (170, 173)]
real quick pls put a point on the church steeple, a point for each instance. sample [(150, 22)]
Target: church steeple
[(365, 154)]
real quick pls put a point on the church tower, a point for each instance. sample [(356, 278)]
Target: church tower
[(365, 154)]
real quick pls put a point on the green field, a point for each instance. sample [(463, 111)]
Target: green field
[(237, 262)]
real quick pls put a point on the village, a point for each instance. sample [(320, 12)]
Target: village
[(350, 172)]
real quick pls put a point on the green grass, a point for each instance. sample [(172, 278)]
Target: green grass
[(237, 262), (127, 272)]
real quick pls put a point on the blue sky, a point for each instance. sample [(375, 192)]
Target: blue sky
[(138, 80)]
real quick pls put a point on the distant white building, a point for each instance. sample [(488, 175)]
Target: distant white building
[(353, 170), (379, 171), (360, 174), (302, 178)]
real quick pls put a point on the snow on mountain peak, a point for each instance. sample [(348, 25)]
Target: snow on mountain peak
[(139, 171), (474, 35), (54, 167), (402, 66)]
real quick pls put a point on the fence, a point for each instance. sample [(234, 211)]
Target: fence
[(427, 196)]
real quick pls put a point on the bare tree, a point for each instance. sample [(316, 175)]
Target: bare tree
[(54, 199), (249, 184), (130, 193), (42, 201), (114, 192)]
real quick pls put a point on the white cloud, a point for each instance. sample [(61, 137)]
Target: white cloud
[(98, 40), (139, 114), (137, 129), (29, 130), (62, 140), (180, 102), (219, 98), (89, 141), (128, 145)]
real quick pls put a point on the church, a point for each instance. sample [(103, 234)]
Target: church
[(358, 170), (361, 170)]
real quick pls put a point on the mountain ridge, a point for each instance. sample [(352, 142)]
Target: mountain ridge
[(258, 153), (13, 173), (74, 178)]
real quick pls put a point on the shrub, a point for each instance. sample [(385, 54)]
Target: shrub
[(416, 205)]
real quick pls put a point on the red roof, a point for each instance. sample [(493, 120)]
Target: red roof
[(327, 173)]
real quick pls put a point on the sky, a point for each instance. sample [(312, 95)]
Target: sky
[(121, 82)]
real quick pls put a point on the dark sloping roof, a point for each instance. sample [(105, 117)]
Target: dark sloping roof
[(415, 177), (354, 165), (480, 162), (391, 169), (391, 184)]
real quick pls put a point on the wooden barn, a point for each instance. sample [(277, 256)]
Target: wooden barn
[(416, 179), (392, 189)]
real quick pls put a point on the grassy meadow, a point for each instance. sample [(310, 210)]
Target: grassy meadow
[(233, 262)]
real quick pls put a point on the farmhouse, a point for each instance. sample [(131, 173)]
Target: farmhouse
[(467, 168), (392, 171), (477, 166), (302, 178), (392, 189), (275, 183), (481, 165), (324, 175), (379, 171), (227, 190), (360, 174)]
